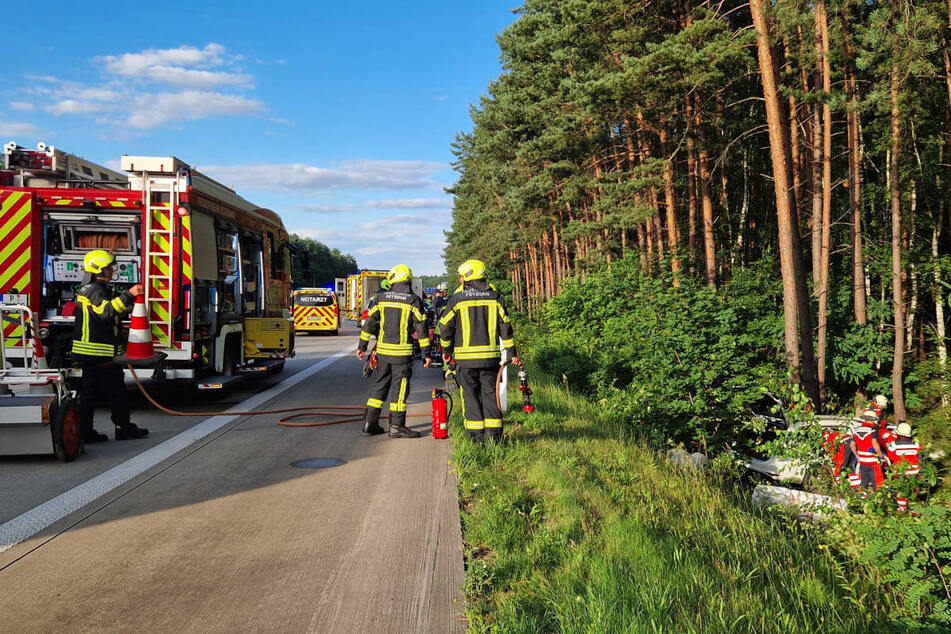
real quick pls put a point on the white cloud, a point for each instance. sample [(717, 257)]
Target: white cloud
[(408, 203), (13, 128), (349, 175), (405, 223), (135, 64), (75, 106), (153, 87), (440, 97), (325, 209), (149, 111), (22, 106)]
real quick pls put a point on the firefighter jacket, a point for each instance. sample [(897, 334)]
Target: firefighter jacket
[(396, 315), (472, 324), (99, 310)]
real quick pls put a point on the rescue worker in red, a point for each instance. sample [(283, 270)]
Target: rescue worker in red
[(397, 314), (868, 451), (96, 340), (906, 463), (470, 329)]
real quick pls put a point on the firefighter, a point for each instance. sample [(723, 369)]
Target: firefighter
[(868, 451), (394, 318), (96, 341), (471, 326), (906, 463)]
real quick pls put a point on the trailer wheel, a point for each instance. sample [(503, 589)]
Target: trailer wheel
[(67, 439)]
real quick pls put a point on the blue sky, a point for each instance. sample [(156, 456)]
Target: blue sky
[(337, 117)]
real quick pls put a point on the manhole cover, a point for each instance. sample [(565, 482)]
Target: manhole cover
[(318, 463)]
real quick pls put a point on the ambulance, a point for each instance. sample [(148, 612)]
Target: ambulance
[(315, 310)]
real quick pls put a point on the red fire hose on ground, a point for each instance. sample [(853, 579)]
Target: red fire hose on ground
[(439, 423)]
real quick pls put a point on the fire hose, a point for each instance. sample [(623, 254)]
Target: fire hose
[(323, 410)]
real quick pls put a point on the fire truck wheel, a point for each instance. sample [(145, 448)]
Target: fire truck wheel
[(67, 441), (227, 360)]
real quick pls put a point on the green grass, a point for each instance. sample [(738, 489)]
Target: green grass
[(573, 526)]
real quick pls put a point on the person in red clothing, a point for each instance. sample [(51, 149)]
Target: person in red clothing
[(869, 452), (907, 463)]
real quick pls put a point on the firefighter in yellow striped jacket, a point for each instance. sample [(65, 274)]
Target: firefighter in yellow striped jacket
[(396, 315), (471, 327), (96, 340)]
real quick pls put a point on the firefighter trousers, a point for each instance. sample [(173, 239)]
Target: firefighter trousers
[(385, 375), (106, 381), (479, 409)]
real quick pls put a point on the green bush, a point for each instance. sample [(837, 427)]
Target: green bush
[(676, 363)]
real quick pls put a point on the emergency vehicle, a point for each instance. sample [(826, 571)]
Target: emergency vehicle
[(315, 310), (215, 267), (362, 286)]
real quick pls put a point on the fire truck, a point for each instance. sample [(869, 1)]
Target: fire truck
[(215, 267)]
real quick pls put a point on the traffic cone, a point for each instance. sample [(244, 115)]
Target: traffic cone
[(139, 350)]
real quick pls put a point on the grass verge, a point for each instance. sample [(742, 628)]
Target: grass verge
[(574, 526)]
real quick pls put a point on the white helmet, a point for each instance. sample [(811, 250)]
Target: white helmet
[(904, 429), (880, 400)]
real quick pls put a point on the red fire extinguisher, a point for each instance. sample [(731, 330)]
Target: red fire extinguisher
[(441, 413)]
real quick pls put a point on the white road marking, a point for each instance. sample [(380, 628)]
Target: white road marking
[(24, 526)]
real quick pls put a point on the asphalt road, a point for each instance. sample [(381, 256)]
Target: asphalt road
[(227, 535)]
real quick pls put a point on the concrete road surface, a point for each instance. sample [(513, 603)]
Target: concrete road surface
[(227, 535)]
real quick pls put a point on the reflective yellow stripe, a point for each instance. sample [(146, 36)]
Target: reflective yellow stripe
[(94, 349), (418, 315), (365, 336), (508, 343), (447, 317), (118, 304), (493, 320), (493, 422), (424, 342), (465, 327), (502, 313), (400, 404), (445, 343), (475, 425), (375, 402), (394, 349), (404, 324), (459, 355)]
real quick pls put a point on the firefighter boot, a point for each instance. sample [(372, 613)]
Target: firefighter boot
[(493, 434), (476, 436), (371, 422), (398, 428), (130, 431)]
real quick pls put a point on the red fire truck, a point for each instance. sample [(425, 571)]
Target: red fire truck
[(215, 267)]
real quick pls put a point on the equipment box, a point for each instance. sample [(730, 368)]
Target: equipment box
[(266, 336)]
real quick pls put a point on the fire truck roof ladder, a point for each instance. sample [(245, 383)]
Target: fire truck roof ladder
[(48, 167)]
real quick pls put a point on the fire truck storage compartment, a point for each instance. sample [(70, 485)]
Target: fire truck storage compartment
[(69, 236)]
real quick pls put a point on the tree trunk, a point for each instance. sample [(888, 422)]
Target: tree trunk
[(822, 29), (794, 142), (781, 185), (691, 190), (853, 123), (706, 195), (673, 232), (898, 395)]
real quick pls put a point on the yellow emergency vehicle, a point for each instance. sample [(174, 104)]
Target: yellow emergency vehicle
[(315, 309)]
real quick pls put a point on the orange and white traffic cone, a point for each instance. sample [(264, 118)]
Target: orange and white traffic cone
[(139, 350)]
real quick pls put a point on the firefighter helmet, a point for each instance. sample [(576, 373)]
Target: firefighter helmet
[(869, 418), (904, 429), (880, 400), (96, 260), (399, 273), (471, 270)]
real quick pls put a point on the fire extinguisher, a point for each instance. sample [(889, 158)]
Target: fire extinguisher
[(441, 414), (527, 406)]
